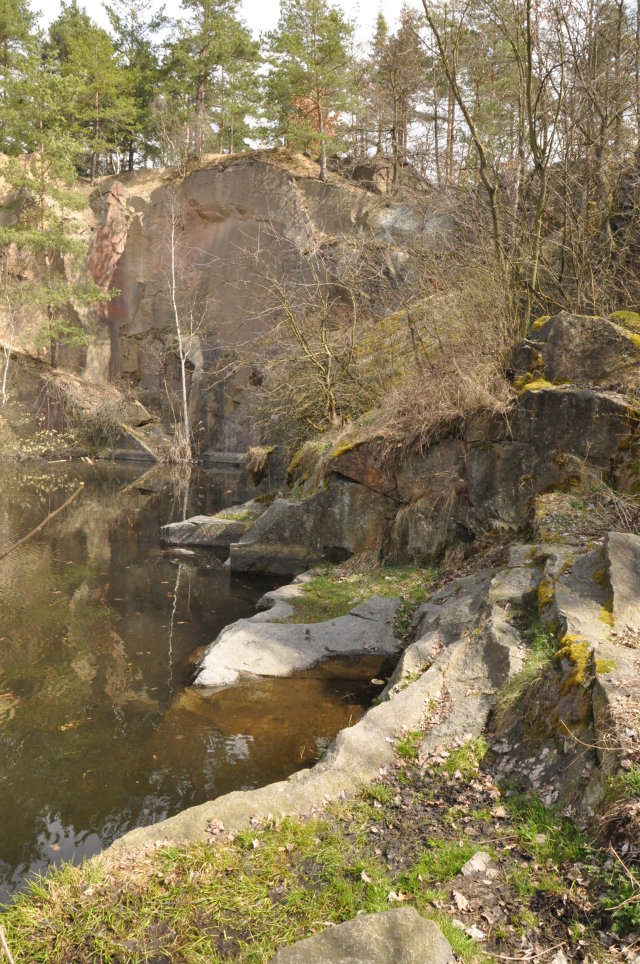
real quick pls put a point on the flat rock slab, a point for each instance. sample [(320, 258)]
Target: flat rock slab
[(622, 554), (261, 648), (213, 531), (391, 937)]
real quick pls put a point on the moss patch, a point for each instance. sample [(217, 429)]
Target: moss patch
[(536, 385), (541, 322), (578, 652), (606, 616), (630, 319), (604, 666), (331, 594), (546, 593)]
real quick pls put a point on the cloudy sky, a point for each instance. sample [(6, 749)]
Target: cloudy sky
[(259, 14)]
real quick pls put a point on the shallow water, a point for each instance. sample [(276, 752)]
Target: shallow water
[(99, 635)]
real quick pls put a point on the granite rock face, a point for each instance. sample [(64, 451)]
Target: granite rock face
[(575, 419), (487, 479), (341, 520), (585, 351)]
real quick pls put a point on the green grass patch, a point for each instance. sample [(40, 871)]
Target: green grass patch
[(466, 759), (329, 594), (380, 792), (238, 900), (625, 785), (409, 745), (440, 861), (544, 833)]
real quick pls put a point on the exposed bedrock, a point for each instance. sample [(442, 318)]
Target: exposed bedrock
[(573, 718), (266, 645), (476, 651), (245, 219), (478, 477)]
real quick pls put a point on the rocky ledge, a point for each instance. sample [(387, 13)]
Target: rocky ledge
[(213, 531), (575, 417), (268, 645)]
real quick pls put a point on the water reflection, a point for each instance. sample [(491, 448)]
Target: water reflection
[(99, 635)]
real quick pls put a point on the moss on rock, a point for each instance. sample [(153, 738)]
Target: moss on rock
[(578, 652), (546, 594), (541, 322), (630, 319)]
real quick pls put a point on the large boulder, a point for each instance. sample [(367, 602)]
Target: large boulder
[(341, 520), (213, 531), (587, 351), (391, 937), (265, 646)]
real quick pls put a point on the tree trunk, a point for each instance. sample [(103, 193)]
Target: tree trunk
[(323, 146), (176, 318)]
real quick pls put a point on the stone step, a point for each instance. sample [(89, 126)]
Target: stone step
[(237, 459)]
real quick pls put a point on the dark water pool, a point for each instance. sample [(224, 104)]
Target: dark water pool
[(100, 630)]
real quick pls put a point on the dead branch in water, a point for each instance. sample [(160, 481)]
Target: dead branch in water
[(41, 525)]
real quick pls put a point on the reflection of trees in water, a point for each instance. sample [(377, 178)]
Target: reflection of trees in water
[(62, 660), (93, 650)]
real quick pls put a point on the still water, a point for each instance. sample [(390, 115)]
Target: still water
[(100, 632)]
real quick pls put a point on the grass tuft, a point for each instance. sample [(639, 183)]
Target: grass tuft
[(543, 646)]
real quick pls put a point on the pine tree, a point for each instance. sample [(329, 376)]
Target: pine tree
[(43, 179), (205, 66), (400, 70), (309, 84), (16, 25), (100, 111), (134, 25)]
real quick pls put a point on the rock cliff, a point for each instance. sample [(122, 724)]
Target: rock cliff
[(243, 220)]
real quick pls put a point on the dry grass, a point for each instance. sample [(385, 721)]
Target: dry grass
[(463, 365), (258, 462), (367, 341), (179, 450), (97, 412), (616, 511)]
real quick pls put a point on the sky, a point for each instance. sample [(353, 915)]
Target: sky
[(259, 14)]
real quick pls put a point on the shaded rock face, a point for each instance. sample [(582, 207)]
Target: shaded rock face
[(242, 221), (584, 351), (343, 519), (484, 475)]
